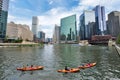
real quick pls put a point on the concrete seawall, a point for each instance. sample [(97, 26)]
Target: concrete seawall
[(17, 44), (117, 48)]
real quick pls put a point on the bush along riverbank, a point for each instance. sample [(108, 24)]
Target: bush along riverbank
[(23, 44)]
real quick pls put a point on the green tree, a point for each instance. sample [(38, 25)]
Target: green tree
[(118, 39), (6, 39)]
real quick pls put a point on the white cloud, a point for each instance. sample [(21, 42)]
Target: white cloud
[(11, 17), (13, 0), (51, 18), (19, 20), (51, 2), (109, 4), (88, 3)]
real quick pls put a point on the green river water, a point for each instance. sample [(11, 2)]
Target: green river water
[(55, 57)]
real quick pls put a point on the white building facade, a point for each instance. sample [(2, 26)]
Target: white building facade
[(56, 35), (35, 23)]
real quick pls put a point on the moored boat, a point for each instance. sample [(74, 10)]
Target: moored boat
[(30, 68)]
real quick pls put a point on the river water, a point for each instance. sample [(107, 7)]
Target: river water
[(55, 57)]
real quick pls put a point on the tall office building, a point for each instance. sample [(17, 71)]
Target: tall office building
[(35, 25), (41, 36), (114, 23), (100, 20), (3, 17), (87, 20), (56, 34), (68, 28)]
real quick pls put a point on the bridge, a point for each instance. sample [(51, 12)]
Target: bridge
[(99, 39), (98, 42)]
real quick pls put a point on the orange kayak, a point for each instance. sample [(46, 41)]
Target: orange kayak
[(31, 68), (72, 70), (87, 65)]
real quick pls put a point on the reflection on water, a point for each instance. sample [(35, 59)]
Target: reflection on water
[(54, 57)]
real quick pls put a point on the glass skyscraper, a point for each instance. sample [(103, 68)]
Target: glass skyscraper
[(41, 36), (100, 20), (68, 28), (3, 17), (87, 21)]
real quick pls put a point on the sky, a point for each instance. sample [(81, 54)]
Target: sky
[(51, 11)]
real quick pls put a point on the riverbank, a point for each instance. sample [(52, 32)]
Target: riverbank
[(20, 44), (117, 48)]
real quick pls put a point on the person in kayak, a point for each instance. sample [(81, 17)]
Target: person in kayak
[(66, 68), (31, 66), (24, 67), (88, 64)]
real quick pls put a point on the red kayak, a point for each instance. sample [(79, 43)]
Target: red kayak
[(87, 65), (31, 68), (72, 70)]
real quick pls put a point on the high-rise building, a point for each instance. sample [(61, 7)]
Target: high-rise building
[(100, 20), (35, 25), (114, 23), (87, 21), (3, 17), (48, 40), (56, 35), (41, 36), (17, 31), (68, 28)]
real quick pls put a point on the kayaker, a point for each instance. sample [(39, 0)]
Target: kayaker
[(31, 66), (66, 68), (24, 67), (88, 64)]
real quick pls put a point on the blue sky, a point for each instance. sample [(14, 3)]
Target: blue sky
[(51, 11)]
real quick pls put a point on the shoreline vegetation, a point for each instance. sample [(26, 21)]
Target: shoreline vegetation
[(29, 44)]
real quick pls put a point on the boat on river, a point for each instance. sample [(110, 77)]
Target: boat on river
[(30, 68), (72, 70), (87, 65)]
